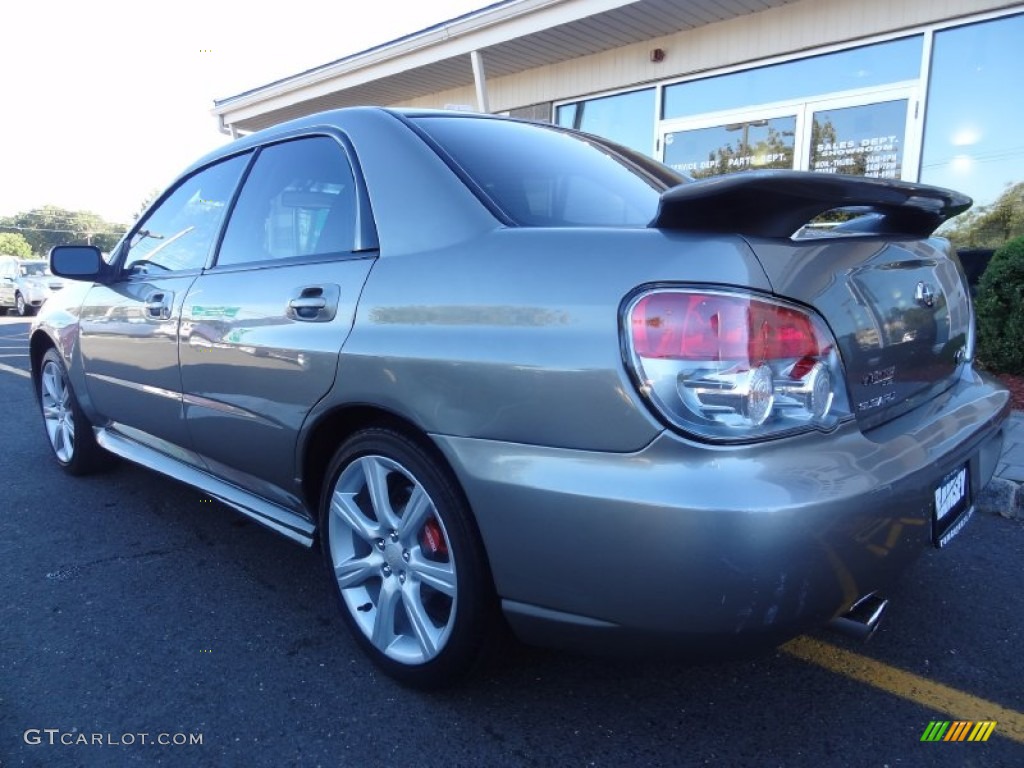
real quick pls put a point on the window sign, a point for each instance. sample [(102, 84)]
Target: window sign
[(865, 140), (740, 146)]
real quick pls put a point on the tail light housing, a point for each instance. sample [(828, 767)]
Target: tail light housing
[(726, 365)]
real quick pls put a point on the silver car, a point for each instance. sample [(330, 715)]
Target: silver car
[(506, 373), (25, 284)]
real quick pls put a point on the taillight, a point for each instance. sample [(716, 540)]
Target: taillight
[(729, 365)]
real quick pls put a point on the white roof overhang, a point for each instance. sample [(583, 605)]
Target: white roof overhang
[(512, 36)]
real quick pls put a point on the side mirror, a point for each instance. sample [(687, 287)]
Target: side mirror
[(79, 262)]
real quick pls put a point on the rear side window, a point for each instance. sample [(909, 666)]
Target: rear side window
[(545, 177), (299, 200)]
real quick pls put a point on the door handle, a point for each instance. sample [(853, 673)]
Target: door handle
[(158, 305), (314, 303), (307, 303)]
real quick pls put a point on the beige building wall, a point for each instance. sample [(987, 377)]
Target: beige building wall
[(784, 30)]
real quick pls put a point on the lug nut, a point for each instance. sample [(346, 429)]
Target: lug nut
[(394, 535), (386, 570), (405, 555), (380, 544), (401, 577)]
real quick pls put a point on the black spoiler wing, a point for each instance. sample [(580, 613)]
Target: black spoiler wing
[(778, 203)]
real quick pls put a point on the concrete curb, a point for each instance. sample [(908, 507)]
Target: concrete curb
[(1003, 495)]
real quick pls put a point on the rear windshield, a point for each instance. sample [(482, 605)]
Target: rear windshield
[(545, 177)]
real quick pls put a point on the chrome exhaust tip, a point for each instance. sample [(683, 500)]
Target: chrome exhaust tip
[(862, 620)]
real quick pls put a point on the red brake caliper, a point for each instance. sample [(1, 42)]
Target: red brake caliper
[(433, 540)]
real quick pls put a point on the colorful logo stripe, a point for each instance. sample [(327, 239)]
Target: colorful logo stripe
[(958, 730)]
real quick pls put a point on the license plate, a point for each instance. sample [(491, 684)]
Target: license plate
[(952, 506)]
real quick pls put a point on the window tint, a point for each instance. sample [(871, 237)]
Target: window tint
[(179, 232), (544, 177), (299, 200)]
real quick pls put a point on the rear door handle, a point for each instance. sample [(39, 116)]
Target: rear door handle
[(314, 303)]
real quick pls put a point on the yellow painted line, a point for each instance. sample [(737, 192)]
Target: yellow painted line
[(941, 698), (15, 371)]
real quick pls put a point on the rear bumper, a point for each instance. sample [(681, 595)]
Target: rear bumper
[(691, 546)]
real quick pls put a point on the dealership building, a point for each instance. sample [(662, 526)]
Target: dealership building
[(920, 90)]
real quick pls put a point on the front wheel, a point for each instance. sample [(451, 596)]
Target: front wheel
[(406, 559), (23, 308), (67, 429)]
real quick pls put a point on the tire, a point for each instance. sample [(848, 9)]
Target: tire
[(21, 307), (406, 560), (67, 430)]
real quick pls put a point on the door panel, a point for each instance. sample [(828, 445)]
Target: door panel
[(253, 364), (130, 353)]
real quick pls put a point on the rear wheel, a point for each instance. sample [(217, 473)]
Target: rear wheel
[(67, 429), (406, 559)]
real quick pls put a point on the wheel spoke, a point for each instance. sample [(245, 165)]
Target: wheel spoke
[(50, 412), (424, 629), (69, 430), (384, 621), (344, 506), (49, 382), (357, 570), (376, 475), (418, 510), (439, 576)]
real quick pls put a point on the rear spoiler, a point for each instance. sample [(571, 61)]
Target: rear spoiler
[(778, 203)]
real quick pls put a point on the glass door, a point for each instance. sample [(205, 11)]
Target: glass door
[(861, 133)]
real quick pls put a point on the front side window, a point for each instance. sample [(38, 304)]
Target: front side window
[(540, 176), (299, 200), (178, 234)]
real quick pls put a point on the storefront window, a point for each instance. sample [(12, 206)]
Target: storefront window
[(867, 66), (863, 140), (704, 152), (974, 126), (626, 118)]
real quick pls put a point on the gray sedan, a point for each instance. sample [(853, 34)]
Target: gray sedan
[(509, 374)]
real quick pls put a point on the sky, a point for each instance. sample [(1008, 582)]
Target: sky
[(105, 101)]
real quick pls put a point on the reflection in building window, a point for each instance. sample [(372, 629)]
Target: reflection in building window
[(626, 118), (974, 126), (753, 144), (865, 140), (871, 65)]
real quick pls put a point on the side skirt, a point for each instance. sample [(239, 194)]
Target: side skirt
[(274, 517)]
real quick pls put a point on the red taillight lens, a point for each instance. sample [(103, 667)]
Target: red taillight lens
[(728, 365), (695, 326)]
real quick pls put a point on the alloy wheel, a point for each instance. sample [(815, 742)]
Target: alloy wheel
[(58, 415), (392, 558)]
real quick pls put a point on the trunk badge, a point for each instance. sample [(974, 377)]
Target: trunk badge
[(924, 294)]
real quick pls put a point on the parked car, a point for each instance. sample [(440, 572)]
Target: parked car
[(25, 284), (501, 369)]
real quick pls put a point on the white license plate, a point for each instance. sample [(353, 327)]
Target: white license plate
[(952, 500)]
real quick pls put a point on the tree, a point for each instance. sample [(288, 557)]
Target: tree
[(48, 226), (147, 201), (990, 226), (12, 244)]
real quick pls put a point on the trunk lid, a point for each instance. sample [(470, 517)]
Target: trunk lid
[(893, 296), (899, 311)]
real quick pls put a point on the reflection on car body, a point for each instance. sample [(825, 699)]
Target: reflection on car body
[(558, 385)]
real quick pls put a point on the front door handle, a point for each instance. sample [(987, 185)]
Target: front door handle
[(158, 305), (314, 303)]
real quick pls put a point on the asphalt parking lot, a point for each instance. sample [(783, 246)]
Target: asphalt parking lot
[(133, 605)]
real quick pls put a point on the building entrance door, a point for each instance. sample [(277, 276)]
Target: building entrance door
[(867, 133)]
